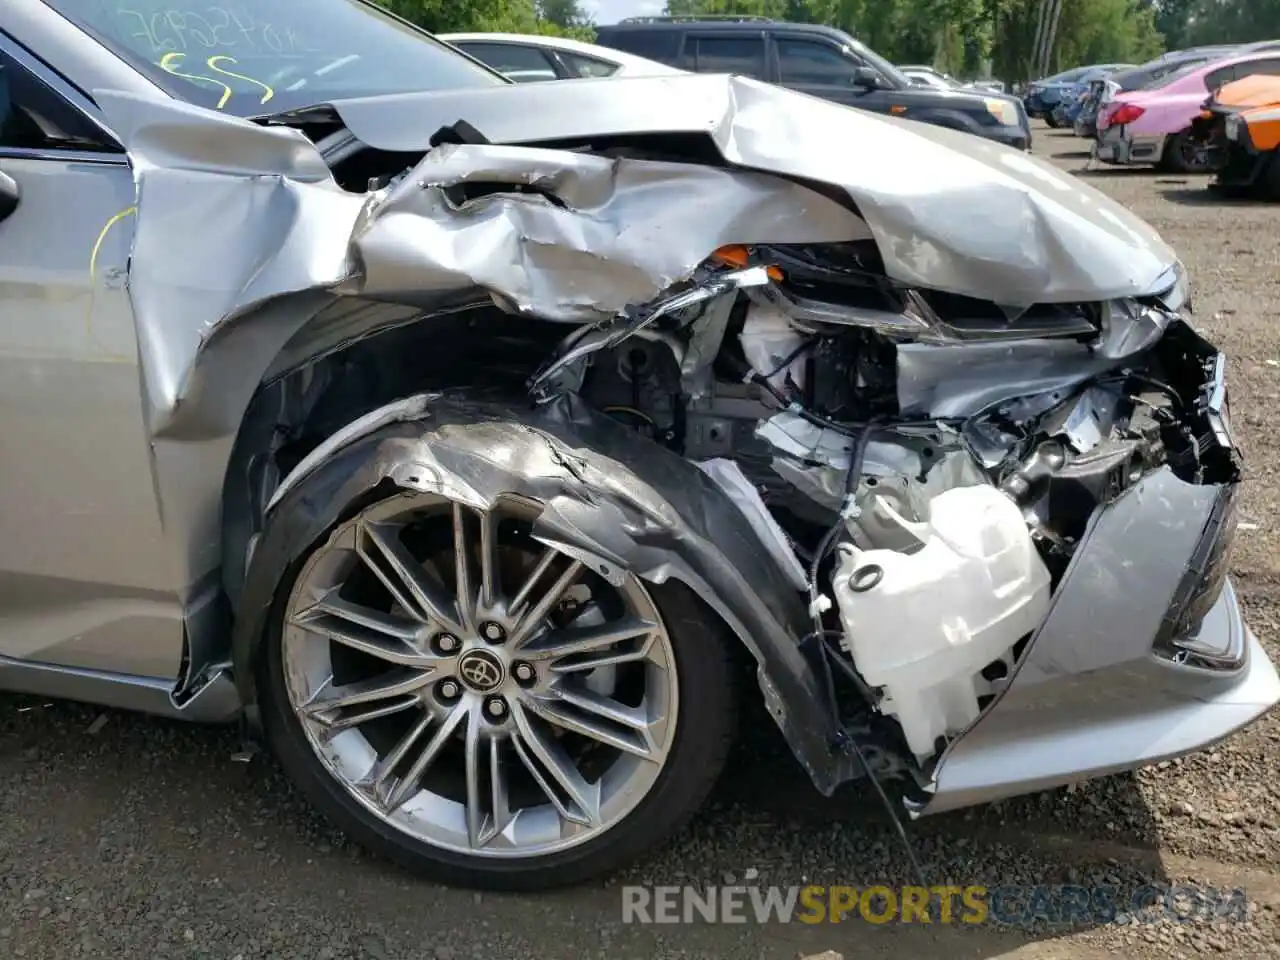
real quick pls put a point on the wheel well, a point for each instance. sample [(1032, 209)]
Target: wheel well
[(290, 414)]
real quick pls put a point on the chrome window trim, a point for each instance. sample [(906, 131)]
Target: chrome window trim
[(103, 157)]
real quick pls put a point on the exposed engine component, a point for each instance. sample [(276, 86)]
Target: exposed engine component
[(924, 616), (951, 463)]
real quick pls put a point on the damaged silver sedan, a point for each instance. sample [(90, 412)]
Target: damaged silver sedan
[(465, 441)]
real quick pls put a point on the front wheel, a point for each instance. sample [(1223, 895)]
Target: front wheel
[(485, 709), (1052, 121)]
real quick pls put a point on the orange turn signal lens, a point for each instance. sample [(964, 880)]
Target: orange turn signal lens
[(738, 256)]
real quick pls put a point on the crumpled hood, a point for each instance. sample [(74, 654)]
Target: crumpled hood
[(236, 219), (948, 210)]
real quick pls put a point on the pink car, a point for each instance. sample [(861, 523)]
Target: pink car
[(1153, 125)]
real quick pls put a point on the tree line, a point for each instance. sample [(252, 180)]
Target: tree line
[(963, 37)]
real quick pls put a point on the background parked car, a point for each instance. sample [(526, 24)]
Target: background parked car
[(1153, 125), (820, 61), (526, 58), (929, 77), (1239, 129), (1071, 95), (1103, 89), (1041, 96)]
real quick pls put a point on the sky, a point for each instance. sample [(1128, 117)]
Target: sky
[(611, 11)]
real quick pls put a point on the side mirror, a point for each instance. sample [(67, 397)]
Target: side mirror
[(866, 78)]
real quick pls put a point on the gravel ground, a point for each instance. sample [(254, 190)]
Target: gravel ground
[(123, 836)]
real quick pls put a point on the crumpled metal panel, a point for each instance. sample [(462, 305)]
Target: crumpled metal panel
[(230, 215), (959, 380), (233, 215), (599, 235), (948, 210), (611, 499)]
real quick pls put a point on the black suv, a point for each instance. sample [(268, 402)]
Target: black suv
[(821, 61)]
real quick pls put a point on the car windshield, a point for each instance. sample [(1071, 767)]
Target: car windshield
[(256, 57)]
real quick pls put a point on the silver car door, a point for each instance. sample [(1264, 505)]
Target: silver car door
[(85, 580)]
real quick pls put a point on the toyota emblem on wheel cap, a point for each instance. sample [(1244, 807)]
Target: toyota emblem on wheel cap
[(480, 670)]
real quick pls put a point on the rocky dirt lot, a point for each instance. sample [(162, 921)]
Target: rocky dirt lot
[(122, 836)]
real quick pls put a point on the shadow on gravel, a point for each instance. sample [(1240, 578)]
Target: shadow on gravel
[(1206, 197), (1115, 173), (152, 825)]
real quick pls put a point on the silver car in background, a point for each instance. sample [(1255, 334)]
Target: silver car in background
[(527, 58), (464, 437)]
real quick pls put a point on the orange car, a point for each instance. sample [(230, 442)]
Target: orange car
[(1240, 129)]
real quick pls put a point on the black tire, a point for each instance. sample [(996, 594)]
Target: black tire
[(1269, 181), (705, 732), (1052, 121), (1177, 156)]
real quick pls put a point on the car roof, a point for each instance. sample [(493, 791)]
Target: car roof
[(646, 24), (566, 44)]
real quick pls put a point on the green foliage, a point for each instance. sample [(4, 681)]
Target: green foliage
[(958, 36), (1226, 21), (496, 16)]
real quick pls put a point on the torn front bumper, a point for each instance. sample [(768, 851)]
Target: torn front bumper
[(1118, 146), (1144, 656), (1238, 162)]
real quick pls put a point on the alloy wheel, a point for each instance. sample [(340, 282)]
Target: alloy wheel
[(469, 686)]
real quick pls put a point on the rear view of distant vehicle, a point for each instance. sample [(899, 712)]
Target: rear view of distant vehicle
[(1103, 89), (1045, 98), (1239, 129), (1154, 125), (1072, 96)]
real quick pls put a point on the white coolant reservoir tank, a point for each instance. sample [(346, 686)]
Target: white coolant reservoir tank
[(922, 625)]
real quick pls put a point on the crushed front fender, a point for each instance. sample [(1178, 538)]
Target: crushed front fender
[(609, 497)]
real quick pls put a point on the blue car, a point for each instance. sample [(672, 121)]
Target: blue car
[(1049, 98)]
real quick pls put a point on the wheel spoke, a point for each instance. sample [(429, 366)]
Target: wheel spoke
[(490, 586), (530, 621), (488, 808), (466, 598), (405, 578), (369, 631), (376, 779), (408, 784), (602, 719), (500, 799), (575, 641), (526, 589), (380, 696), (552, 768)]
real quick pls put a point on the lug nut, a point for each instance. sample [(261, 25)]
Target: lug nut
[(496, 708), (524, 672), (447, 643), (448, 689), (493, 632)]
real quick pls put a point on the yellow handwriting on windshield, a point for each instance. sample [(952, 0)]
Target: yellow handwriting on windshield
[(169, 64), (267, 92)]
